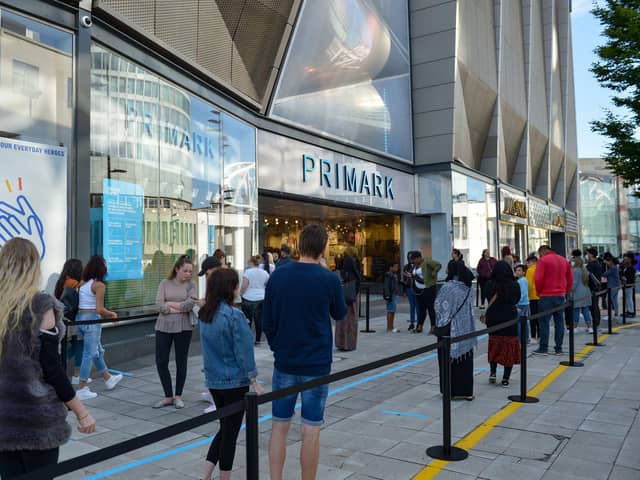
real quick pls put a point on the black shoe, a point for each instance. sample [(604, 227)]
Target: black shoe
[(492, 378), (411, 327), (505, 382)]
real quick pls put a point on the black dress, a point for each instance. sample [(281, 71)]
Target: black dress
[(461, 369), (504, 347)]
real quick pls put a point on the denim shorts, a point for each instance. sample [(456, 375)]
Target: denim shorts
[(313, 400), (392, 304)]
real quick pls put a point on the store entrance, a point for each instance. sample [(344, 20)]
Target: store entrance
[(374, 236)]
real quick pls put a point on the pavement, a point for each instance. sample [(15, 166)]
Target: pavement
[(379, 424)]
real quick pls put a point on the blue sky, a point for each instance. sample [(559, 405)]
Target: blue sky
[(590, 97)]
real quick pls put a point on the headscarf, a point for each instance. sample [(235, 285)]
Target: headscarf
[(457, 270), (453, 305), (502, 276)]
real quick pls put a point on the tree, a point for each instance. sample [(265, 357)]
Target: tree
[(618, 69)]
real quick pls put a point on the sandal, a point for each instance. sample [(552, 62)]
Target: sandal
[(492, 378)]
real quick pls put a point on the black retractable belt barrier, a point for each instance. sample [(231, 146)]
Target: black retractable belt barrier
[(523, 398), (368, 312), (568, 312), (446, 451), (253, 452)]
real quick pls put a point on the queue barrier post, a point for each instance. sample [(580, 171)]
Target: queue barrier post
[(367, 307), (568, 312), (523, 398), (594, 327), (252, 435), (446, 451), (624, 305)]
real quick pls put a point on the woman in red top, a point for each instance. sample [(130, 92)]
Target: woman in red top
[(484, 269)]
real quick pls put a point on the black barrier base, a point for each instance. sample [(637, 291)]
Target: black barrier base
[(518, 399), (574, 364), (591, 344), (367, 331), (455, 455)]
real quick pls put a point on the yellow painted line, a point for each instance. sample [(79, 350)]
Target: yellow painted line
[(481, 431)]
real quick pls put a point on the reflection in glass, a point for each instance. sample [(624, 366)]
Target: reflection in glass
[(170, 145), (36, 85), (599, 213), (347, 74), (474, 217)]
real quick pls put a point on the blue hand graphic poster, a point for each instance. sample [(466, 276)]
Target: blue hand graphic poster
[(122, 218), (33, 201)]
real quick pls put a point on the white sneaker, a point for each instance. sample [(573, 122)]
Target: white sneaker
[(206, 397), (395, 330), (76, 380), (590, 330), (210, 408), (112, 381), (85, 394)]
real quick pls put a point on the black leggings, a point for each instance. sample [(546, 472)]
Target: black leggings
[(223, 446), (426, 301), (533, 309), (253, 312), (17, 462), (505, 375), (163, 349)]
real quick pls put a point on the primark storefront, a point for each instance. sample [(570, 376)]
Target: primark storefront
[(129, 133)]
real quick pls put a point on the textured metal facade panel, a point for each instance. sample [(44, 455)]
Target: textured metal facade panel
[(237, 41)]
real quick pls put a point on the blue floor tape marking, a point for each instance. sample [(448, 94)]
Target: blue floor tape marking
[(404, 414), (120, 372), (204, 441)]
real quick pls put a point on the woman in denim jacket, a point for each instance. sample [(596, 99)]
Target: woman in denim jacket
[(229, 364)]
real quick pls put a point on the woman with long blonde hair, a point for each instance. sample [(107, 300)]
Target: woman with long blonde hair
[(33, 387)]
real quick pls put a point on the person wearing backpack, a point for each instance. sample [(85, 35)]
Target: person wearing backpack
[(390, 292), (66, 290)]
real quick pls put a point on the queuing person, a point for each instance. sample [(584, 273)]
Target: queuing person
[(457, 255), (581, 295), (454, 317), (532, 261), (507, 256), (267, 264), (484, 269), (285, 256), (629, 277), (300, 300), (595, 275), (229, 363), (407, 286), (34, 389), (91, 307), (553, 279), (174, 300), (220, 255), (504, 293), (346, 336), (254, 281), (424, 277), (66, 290), (209, 264), (523, 303), (391, 290), (611, 276)]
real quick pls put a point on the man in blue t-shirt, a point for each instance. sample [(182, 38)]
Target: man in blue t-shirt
[(300, 299)]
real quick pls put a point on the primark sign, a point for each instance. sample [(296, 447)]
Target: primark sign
[(290, 166)]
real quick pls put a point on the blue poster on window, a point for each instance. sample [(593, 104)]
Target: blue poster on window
[(122, 229)]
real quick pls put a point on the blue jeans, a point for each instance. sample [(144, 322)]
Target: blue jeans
[(413, 305), (313, 400), (548, 303), (586, 313), (614, 301), (75, 350), (93, 351)]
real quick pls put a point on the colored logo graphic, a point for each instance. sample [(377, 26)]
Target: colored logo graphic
[(20, 220)]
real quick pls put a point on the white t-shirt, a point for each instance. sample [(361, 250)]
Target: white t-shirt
[(272, 267), (418, 272), (258, 279)]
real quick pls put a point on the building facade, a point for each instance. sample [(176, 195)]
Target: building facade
[(146, 130)]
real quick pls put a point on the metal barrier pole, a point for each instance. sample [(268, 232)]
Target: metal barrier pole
[(624, 305), (568, 313), (368, 313), (253, 456), (594, 327), (523, 398), (446, 451)]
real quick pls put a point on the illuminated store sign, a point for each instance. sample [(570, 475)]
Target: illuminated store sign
[(513, 207), (297, 168), (339, 176)]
